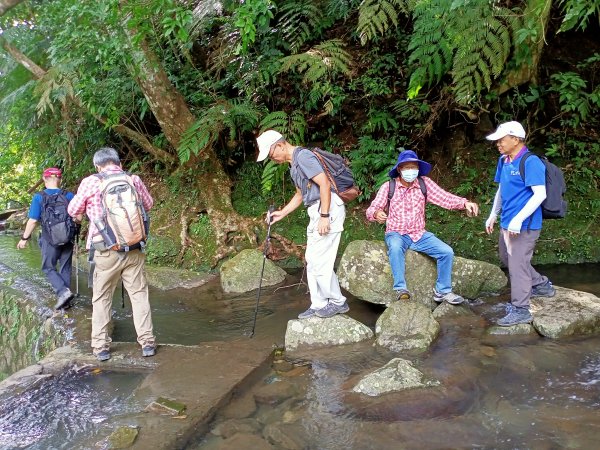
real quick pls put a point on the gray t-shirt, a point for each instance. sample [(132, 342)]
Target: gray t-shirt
[(305, 166)]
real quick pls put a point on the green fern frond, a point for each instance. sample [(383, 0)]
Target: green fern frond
[(322, 62), (234, 116), (292, 126), (375, 17), (299, 22)]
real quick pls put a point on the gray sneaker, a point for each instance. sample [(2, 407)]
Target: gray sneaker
[(516, 316), (148, 350), (332, 309), (543, 290), (449, 297), (63, 298), (306, 314), (103, 355)]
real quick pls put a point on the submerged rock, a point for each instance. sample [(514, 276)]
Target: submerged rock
[(123, 437), (397, 375), (364, 271), (568, 313), (522, 328), (406, 326), (336, 330), (166, 278), (242, 272)]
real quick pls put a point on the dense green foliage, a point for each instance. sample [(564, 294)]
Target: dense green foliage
[(361, 78)]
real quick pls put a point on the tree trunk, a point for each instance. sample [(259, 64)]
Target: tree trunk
[(5, 5), (172, 113), (39, 73), (540, 10)]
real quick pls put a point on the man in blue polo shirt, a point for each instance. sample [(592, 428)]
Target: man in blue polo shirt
[(520, 222), (51, 254)]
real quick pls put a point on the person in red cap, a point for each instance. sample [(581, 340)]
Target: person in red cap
[(58, 230), (405, 223)]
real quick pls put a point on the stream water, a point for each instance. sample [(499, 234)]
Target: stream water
[(496, 392)]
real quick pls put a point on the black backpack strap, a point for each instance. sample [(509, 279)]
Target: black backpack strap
[(392, 189), (423, 187), (522, 164)]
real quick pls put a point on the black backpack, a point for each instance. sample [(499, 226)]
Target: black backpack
[(392, 189), (339, 174), (555, 206), (58, 227)]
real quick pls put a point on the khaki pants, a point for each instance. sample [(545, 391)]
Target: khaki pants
[(111, 267)]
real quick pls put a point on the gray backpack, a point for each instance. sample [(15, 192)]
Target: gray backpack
[(555, 206)]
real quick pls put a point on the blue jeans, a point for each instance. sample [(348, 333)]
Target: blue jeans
[(397, 245)]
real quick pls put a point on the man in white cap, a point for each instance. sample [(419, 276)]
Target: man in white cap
[(326, 212), (519, 199)]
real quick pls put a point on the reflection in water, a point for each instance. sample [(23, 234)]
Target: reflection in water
[(66, 409)]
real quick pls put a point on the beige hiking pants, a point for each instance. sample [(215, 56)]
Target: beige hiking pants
[(111, 267)]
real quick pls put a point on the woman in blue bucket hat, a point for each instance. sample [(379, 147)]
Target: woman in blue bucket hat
[(404, 198)]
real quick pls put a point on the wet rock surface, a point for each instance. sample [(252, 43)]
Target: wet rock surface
[(166, 278), (406, 326), (365, 272), (397, 375), (314, 331), (568, 313), (242, 272)]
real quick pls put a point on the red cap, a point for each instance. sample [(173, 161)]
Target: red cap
[(52, 171)]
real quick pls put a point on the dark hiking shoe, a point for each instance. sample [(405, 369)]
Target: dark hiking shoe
[(149, 350), (515, 317), (332, 309), (64, 298), (103, 355), (543, 290), (402, 294), (449, 297), (306, 314)]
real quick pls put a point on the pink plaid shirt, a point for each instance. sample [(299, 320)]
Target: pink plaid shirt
[(407, 207), (87, 199)]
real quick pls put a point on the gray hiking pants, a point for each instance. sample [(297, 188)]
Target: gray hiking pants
[(515, 253)]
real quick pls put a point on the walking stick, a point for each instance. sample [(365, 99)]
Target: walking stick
[(77, 260), (267, 241)]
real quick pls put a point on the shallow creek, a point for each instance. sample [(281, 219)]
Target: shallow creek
[(496, 392)]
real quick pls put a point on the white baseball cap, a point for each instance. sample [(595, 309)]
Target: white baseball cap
[(264, 141), (508, 128)]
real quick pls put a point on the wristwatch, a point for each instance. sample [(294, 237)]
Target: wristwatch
[(324, 214)]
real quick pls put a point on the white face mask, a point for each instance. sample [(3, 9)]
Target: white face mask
[(409, 175)]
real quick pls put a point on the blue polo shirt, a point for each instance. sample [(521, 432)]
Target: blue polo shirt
[(515, 192), (35, 209)]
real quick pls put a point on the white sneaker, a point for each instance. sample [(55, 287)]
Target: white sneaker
[(450, 297)]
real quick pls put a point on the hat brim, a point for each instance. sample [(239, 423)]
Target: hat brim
[(263, 152), (424, 168), (496, 135)]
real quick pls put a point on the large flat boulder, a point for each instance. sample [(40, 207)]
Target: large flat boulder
[(568, 313), (242, 272), (318, 332), (406, 326), (365, 272)]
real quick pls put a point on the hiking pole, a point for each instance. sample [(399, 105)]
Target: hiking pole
[(267, 241), (77, 265)]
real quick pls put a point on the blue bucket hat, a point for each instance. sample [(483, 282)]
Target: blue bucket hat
[(410, 156)]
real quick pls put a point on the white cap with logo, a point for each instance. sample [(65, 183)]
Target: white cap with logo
[(508, 128), (264, 141)]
